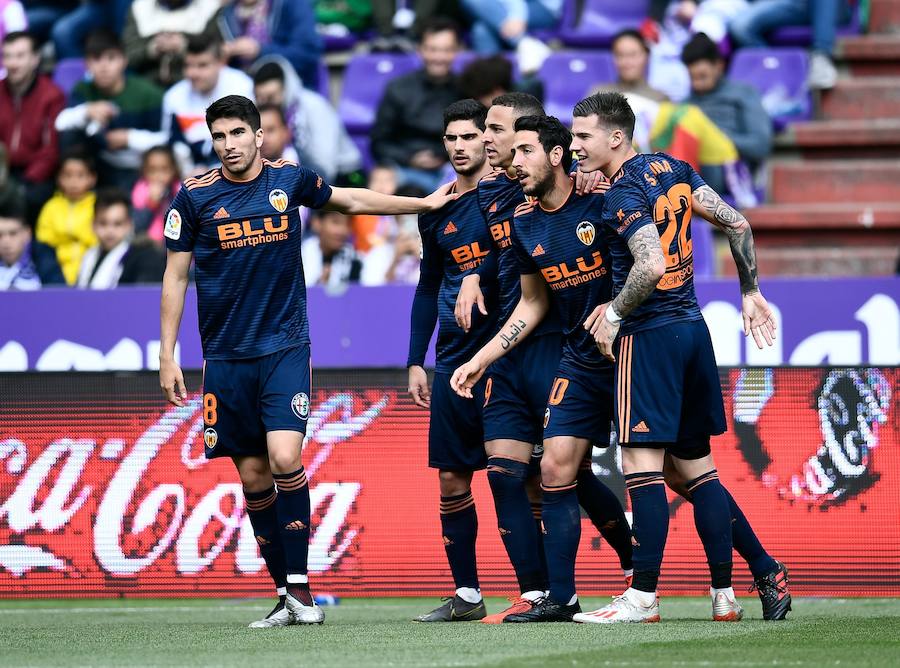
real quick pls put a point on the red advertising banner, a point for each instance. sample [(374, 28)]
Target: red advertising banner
[(104, 490)]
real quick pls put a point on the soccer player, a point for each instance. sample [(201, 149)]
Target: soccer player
[(560, 248), (241, 225), (455, 240), (668, 398), (518, 383)]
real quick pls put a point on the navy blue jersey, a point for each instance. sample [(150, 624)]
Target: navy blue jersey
[(655, 189), (455, 241), (251, 295), (568, 247), (498, 197)]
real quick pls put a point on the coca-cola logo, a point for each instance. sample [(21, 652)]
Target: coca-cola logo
[(154, 495)]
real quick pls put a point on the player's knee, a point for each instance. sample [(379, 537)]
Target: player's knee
[(454, 483), (674, 480), (555, 472), (284, 460)]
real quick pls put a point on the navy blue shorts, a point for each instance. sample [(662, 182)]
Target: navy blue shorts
[(517, 388), (667, 387), (244, 399), (455, 432), (580, 403)]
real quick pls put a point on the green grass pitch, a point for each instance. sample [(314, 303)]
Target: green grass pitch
[(377, 632)]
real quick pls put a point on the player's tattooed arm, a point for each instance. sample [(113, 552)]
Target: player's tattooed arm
[(740, 237), (531, 309), (758, 317), (649, 266)]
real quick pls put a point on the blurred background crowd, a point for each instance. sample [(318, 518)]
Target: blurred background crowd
[(102, 106)]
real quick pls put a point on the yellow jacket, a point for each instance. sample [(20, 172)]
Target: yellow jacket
[(69, 228)]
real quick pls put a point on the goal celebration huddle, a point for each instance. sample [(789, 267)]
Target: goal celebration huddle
[(558, 270)]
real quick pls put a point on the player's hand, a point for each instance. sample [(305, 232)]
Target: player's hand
[(469, 295), (758, 318), (585, 182), (603, 331), (465, 377), (440, 197), (171, 380), (418, 387)]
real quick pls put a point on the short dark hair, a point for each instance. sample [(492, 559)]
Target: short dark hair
[(438, 24), (166, 150), (632, 34), (107, 197), (100, 41), (466, 110), (8, 38), (483, 76), (80, 154), (551, 133), (612, 111), (275, 109), (700, 47), (13, 208), (233, 106), (197, 44), (268, 72), (522, 104)]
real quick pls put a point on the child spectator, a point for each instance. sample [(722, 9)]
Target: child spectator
[(154, 191), (66, 221), (328, 257), (25, 264), (117, 259), (372, 230)]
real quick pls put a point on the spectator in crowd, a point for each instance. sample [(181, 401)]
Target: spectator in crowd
[(486, 78), (397, 259), (118, 259), (12, 17), (318, 135), (155, 191), (276, 134), (373, 230), (395, 20), (66, 221), (408, 126), (29, 105), (751, 26), (109, 109), (157, 33), (328, 257), (734, 107), (504, 24), (206, 79), (70, 30), (25, 264), (41, 15), (632, 56), (287, 28)]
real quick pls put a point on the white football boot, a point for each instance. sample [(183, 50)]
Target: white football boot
[(624, 609), (280, 616), (725, 606), (304, 614)]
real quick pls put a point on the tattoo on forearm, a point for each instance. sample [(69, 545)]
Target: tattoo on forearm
[(642, 279), (740, 236), (511, 335)]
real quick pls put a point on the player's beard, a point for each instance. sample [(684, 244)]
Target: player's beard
[(243, 167), (541, 186), (473, 167)]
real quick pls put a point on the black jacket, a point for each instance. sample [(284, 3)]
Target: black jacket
[(411, 117)]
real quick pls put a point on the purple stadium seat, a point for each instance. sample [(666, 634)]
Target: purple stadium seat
[(364, 81), (568, 76), (339, 43), (68, 72), (780, 77), (802, 35), (704, 248), (600, 20)]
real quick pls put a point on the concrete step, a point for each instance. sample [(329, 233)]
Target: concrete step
[(842, 139), (823, 260), (884, 16), (840, 181), (871, 55), (862, 98)]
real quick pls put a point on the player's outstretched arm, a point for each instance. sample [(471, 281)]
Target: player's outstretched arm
[(174, 287), (757, 314), (360, 201), (649, 266), (531, 309)]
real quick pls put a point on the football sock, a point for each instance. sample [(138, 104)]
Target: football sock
[(650, 513), (459, 525), (264, 520), (606, 513), (562, 531), (298, 587), (713, 519), (537, 508), (469, 595), (516, 524), (292, 506), (746, 543)]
